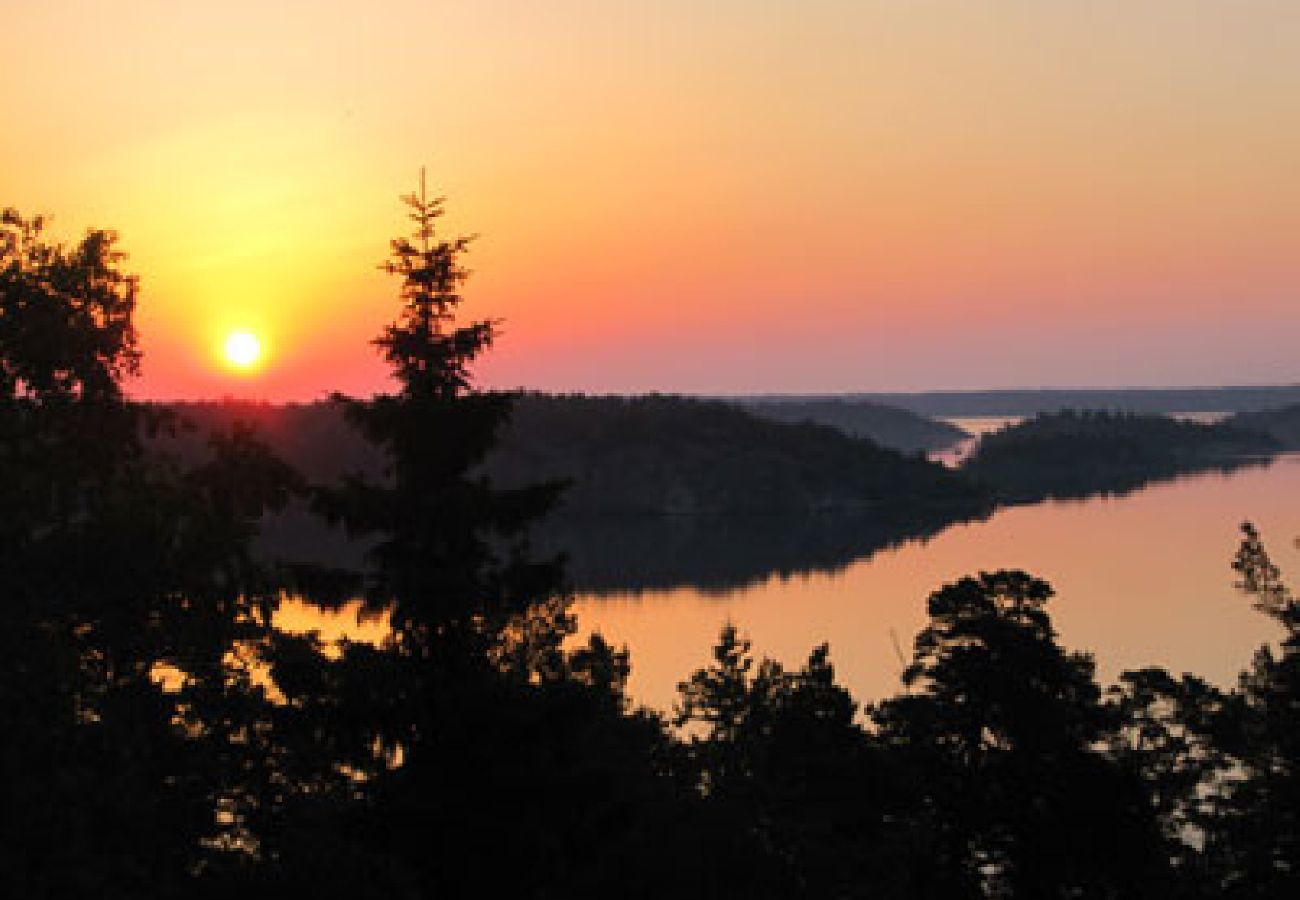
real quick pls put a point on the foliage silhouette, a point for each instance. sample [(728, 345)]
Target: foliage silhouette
[(1004, 724), (1258, 835), (819, 806), (132, 756)]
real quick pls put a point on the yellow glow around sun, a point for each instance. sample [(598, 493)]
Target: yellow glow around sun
[(242, 349)]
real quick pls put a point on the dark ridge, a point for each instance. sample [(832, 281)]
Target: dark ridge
[(663, 455), (889, 426)]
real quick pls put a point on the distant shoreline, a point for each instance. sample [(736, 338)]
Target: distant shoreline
[(1029, 402)]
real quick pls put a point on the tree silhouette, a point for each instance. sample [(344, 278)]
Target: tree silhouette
[(1258, 837), (474, 728), (449, 561), (132, 756), (1003, 724), (1170, 732), (797, 799), (68, 327)]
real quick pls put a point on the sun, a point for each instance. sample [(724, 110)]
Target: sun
[(242, 349)]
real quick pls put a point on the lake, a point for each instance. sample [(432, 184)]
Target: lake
[(1142, 579)]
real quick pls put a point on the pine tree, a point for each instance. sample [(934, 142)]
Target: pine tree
[(450, 562), (1004, 725), (476, 732)]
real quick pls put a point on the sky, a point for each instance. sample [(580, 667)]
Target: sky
[(722, 197)]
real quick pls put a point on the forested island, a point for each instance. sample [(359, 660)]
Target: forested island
[(1076, 454), (1282, 425)]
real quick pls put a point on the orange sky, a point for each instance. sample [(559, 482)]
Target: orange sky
[(799, 196)]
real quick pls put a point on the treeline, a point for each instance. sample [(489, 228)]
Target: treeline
[(164, 738), (1283, 425), (1076, 454), (651, 455), (659, 490)]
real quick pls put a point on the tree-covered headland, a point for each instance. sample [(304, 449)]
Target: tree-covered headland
[(1079, 453)]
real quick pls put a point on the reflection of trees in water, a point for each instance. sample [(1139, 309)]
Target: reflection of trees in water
[(721, 554), (1087, 486), (717, 554)]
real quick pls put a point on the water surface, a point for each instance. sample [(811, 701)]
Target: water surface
[(1141, 579)]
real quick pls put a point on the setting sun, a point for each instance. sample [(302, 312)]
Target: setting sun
[(242, 349)]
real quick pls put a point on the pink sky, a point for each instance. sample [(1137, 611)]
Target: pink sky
[(768, 196)]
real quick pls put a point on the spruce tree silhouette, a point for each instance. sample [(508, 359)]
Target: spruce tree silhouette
[(437, 568), (476, 731)]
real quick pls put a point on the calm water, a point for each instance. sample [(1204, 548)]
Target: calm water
[(1142, 579), (976, 427)]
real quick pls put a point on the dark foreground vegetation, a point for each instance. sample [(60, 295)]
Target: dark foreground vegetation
[(160, 737)]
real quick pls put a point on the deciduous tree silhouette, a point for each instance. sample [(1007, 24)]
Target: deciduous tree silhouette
[(131, 758)]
